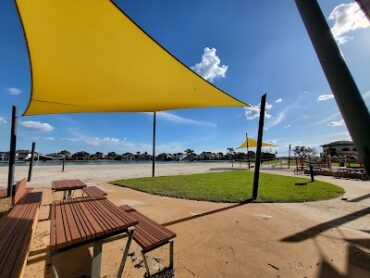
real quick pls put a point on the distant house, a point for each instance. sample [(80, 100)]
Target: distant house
[(178, 156), (340, 148), (54, 156), (4, 156), (220, 155), (23, 155), (20, 155), (128, 156), (207, 156), (165, 157)]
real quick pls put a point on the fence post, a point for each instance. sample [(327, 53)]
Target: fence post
[(12, 151)]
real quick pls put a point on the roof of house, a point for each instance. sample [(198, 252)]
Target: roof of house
[(338, 143)]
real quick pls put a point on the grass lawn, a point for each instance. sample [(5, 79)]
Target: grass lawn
[(234, 186)]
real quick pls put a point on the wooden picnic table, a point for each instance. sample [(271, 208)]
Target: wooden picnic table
[(344, 172), (88, 220), (351, 170), (67, 186)]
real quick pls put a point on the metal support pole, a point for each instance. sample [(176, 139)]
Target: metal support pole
[(290, 150), (31, 161), (249, 161), (130, 234), (154, 135), (171, 254), (259, 147), (349, 100), (96, 260), (12, 151)]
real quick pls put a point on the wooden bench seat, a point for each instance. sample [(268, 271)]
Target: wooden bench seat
[(16, 230), (150, 234), (94, 191)]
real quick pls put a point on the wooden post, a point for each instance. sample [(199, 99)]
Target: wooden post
[(12, 151), (154, 135), (31, 162), (290, 149), (259, 147), (312, 173), (249, 161), (64, 159), (350, 102)]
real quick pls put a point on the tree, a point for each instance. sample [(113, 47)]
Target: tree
[(189, 154), (99, 155), (82, 155), (111, 155), (231, 153), (66, 154), (302, 153)]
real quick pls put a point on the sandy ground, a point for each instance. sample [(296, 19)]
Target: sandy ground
[(315, 239)]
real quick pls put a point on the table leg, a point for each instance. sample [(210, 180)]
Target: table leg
[(96, 261), (130, 233), (171, 254)]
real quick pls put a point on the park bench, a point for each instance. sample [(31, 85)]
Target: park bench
[(16, 230), (94, 191), (150, 235), (351, 173)]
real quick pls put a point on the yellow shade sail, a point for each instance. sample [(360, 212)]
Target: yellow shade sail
[(251, 143), (88, 56)]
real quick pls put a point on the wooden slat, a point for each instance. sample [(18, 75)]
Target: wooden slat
[(19, 244), (76, 220), (71, 225), (16, 233), (94, 219), (83, 230), (94, 191), (148, 233), (57, 222), (63, 185), (20, 191)]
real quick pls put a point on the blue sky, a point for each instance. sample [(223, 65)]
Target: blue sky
[(248, 47)]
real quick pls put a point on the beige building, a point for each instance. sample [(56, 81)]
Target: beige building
[(340, 148)]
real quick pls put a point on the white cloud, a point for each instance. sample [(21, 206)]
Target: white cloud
[(71, 139), (327, 119), (253, 111), (49, 138), (13, 91), (171, 147), (366, 95), (35, 125), (181, 120), (325, 97), (347, 17), (2, 121), (279, 100), (111, 141), (276, 120), (209, 68), (336, 123)]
